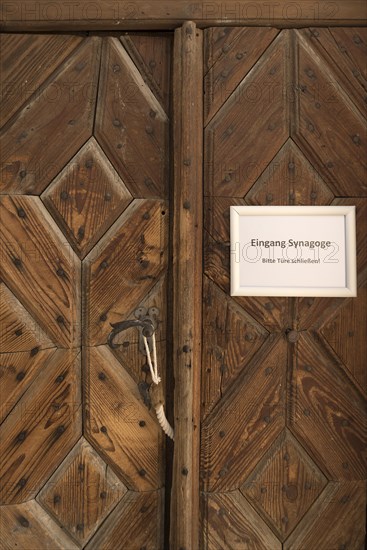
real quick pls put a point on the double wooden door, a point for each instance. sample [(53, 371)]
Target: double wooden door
[(96, 214)]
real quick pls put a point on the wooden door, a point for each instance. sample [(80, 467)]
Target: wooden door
[(283, 441), (84, 219)]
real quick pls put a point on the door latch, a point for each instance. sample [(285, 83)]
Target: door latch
[(145, 320)]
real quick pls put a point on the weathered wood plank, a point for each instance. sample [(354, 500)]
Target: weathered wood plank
[(326, 406), (235, 155), (279, 184), (26, 62), (18, 330), (187, 282), (124, 267), (168, 14), (55, 123), (136, 522), (29, 526), (231, 338), (229, 521), (118, 423), (43, 427), (131, 125), (82, 492), (229, 58), (152, 55), (17, 372), (246, 421), (336, 520), (328, 126), (41, 268), (346, 51)]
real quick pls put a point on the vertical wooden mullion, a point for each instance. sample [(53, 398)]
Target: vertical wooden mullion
[(187, 282)]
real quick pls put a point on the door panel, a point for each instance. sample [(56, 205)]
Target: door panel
[(283, 420), (84, 217)]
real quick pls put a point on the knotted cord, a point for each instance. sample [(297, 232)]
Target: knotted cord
[(153, 367)]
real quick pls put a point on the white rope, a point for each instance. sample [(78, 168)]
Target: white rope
[(163, 422), (153, 367)]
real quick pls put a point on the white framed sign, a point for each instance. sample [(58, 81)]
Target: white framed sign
[(293, 251)]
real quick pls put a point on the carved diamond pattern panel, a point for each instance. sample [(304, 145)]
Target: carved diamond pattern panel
[(86, 197), (45, 423), (41, 268), (284, 485), (228, 58), (232, 160), (18, 331), (118, 423), (279, 184), (85, 158), (29, 526), (329, 419), (82, 492), (245, 422), (288, 129), (234, 524), (232, 338), (128, 261), (329, 126), (54, 124), (131, 125)]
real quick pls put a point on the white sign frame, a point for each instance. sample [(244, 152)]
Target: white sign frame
[(239, 262)]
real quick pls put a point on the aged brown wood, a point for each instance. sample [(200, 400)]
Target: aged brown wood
[(284, 485), (26, 62), (149, 53), (18, 370), (82, 206), (341, 507), (131, 125), (168, 14), (59, 115), (41, 268), (95, 197), (82, 492), (128, 262), (120, 425), (135, 523), (234, 524), (289, 421), (187, 292), (29, 526), (233, 162), (18, 331), (228, 59), (46, 425)]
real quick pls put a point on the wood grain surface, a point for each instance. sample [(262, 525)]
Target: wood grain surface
[(170, 14), (41, 429), (131, 124), (41, 268), (187, 282), (53, 125), (82, 492)]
